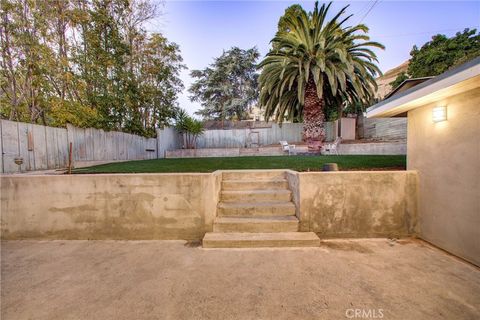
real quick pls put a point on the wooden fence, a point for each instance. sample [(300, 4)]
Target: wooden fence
[(42, 147), (250, 137), (382, 128)]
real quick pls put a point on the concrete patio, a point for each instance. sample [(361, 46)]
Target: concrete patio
[(404, 279)]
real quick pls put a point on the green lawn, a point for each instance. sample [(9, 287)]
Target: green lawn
[(298, 163)]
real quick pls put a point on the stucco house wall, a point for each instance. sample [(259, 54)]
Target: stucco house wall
[(447, 157)]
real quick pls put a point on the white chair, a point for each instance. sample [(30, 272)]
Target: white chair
[(332, 148), (288, 147)]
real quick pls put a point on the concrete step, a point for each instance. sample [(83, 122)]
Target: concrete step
[(256, 195), (256, 224), (270, 208), (254, 175), (255, 240), (254, 184)]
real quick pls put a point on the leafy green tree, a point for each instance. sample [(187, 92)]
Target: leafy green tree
[(159, 81), (24, 55), (398, 80), (441, 54), (87, 62), (228, 87), (316, 63), (102, 62)]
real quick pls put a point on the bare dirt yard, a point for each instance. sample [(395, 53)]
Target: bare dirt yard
[(342, 279)]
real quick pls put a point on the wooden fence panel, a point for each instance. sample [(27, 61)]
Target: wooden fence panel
[(383, 128), (10, 145), (26, 146), (47, 147)]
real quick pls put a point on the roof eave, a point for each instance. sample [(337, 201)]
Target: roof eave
[(427, 91)]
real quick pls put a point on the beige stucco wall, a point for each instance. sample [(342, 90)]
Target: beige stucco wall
[(122, 206), (447, 157), (358, 203)]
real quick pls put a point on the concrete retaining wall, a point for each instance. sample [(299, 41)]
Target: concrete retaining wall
[(183, 206), (127, 206), (379, 148), (357, 204), (227, 152)]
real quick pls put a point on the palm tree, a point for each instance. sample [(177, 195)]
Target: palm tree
[(314, 63)]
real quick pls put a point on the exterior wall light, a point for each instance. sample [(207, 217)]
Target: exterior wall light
[(439, 114)]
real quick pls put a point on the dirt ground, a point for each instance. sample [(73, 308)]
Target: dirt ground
[(361, 279)]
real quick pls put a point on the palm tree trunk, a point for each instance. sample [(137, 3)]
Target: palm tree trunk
[(313, 118)]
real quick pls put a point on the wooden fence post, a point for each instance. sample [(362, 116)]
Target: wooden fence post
[(70, 151)]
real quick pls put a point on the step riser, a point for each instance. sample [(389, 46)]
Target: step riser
[(269, 175), (258, 185), (259, 243), (256, 211), (256, 227), (256, 197)]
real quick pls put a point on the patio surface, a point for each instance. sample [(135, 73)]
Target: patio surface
[(407, 279)]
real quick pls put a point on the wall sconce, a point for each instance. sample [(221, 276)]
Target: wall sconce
[(439, 114)]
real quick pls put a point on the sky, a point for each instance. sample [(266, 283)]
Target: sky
[(204, 29)]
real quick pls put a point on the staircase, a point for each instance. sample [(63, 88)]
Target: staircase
[(256, 210)]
